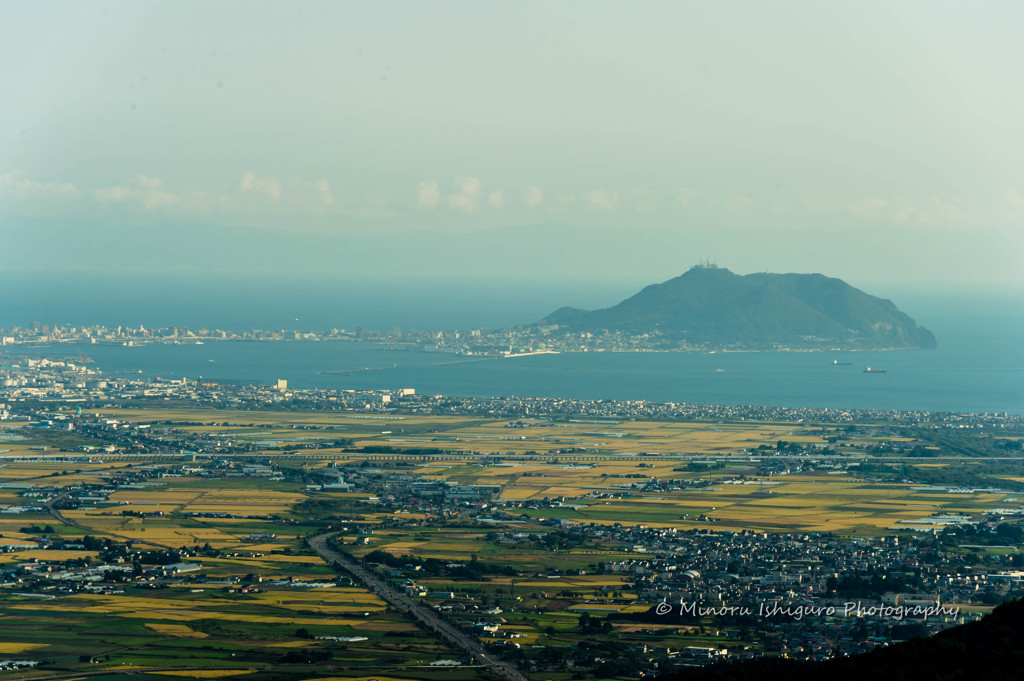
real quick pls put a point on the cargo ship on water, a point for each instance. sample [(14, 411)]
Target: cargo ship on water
[(837, 363), (870, 370)]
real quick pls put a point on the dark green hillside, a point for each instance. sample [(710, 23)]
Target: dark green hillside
[(711, 305)]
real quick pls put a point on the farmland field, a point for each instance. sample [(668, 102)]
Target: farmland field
[(205, 563)]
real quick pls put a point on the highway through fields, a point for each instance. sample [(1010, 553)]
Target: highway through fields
[(422, 613)]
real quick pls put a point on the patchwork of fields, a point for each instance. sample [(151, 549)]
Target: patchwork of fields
[(256, 596)]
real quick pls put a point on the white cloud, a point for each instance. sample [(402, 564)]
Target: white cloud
[(534, 196), (269, 187), (467, 196), (158, 199), (149, 192), (906, 210), (643, 199), (599, 199), (901, 210), (686, 195), (462, 202), (428, 195), (150, 182), (931, 211), (470, 186), (1016, 201), (114, 194), (874, 207), (819, 203), (736, 202), (16, 184), (378, 206), (323, 190)]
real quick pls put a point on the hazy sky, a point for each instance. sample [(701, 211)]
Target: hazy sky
[(878, 142)]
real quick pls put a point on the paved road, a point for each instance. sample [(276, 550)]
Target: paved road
[(425, 615)]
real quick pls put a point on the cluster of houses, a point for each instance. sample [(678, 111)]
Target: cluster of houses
[(806, 596)]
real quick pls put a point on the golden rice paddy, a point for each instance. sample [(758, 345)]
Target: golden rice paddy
[(15, 648), (176, 630), (194, 614), (205, 673)]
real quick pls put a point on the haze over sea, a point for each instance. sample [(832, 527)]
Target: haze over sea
[(978, 367)]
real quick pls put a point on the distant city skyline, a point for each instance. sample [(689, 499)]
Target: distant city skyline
[(879, 143)]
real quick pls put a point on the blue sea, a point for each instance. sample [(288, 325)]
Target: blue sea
[(978, 367)]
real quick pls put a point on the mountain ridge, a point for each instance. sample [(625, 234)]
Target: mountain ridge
[(709, 305)]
